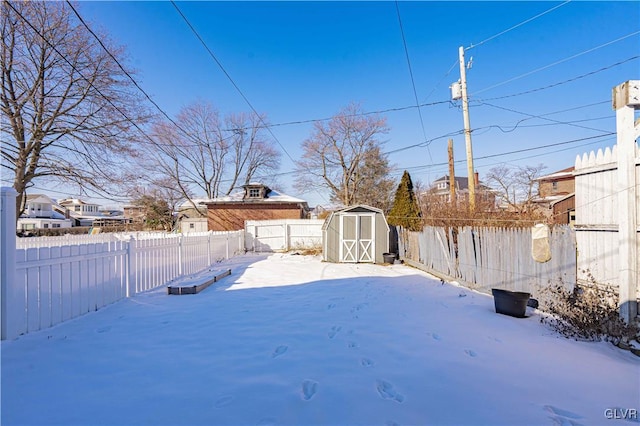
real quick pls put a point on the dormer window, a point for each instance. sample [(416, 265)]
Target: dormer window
[(254, 192)]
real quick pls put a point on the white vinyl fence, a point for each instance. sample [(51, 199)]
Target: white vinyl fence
[(283, 234), (486, 258), (45, 284)]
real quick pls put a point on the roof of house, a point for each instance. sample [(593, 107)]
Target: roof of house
[(36, 197), (75, 201), (560, 174), (272, 196), (462, 182)]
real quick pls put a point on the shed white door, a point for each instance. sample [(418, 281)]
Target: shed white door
[(357, 243)]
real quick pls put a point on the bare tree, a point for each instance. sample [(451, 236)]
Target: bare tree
[(344, 155), (199, 153), (377, 187), (68, 111), (515, 185)]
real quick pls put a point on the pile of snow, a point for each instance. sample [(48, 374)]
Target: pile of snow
[(291, 340)]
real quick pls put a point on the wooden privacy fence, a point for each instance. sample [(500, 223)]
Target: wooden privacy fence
[(46, 285), (485, 258), (283, 234), (606, 254)]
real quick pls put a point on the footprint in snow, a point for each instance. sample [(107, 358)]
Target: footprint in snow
[(331, 306), (223, 401), (334, 330), (279, 351), (104, 329), (386, 391), (309, 389), (471, 353), (366, 362), (353, 345), (562, 417), (436, 336)]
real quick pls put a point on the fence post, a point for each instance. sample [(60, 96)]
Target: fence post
[(209, 247), (286, 236), (131, 267), (180, 256), (11, 297), (227, 238), (626, 100)]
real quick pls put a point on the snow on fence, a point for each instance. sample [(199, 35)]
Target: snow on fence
[(283, 234), (485, 258), (45, 285)]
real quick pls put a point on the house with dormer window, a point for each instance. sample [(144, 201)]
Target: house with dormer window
[(441, 188), (81, 212), (41, 212), (256, 201)]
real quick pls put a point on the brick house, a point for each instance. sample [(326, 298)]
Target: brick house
[(556, 195), (255, 202)]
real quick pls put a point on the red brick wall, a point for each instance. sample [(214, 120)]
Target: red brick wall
[(231, 217)]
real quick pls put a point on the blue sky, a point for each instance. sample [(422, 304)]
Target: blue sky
[(299, 61)]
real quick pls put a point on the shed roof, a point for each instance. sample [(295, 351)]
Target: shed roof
[(360, 208)]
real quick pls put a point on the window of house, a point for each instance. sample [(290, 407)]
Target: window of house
[(254, 192), (554, 185), (192, 225), (76, 208), (55, 225), (46, 225)]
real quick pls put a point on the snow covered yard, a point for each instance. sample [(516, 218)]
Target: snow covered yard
[(287, 339)]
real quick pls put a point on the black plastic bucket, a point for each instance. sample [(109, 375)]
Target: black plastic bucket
[(512, 303), (389, 257)]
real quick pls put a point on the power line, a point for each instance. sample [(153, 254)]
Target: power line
[(413, 83), (542, 117), (565, 81), (74, 68), (520, 151), (517, 25), (213, 56), (556, 63), (130, 77)]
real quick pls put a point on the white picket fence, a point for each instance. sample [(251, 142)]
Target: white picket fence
[(283, 235), (46, 282), (597, 206), (486, 258)]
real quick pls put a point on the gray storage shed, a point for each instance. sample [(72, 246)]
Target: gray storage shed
[(356, 234)]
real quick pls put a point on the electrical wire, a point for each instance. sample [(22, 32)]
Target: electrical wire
[(542, 117), (517, 25), (555, 63), (187, 134), (75, 69), (565, 81), (413, 83), (213, 56)]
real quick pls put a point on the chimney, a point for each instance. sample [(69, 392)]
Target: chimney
[(476, 179)]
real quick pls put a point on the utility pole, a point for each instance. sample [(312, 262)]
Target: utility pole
[(467, 132), (452, 179)]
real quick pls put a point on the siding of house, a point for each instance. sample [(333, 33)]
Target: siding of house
[(231, 216), (562, 209), (563, 186)]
